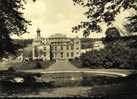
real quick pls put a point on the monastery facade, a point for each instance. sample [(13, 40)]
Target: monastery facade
[(56, 47)]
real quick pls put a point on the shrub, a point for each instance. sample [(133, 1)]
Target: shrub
[(116, 54)]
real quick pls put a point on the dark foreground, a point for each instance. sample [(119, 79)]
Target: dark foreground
[(94, 87)]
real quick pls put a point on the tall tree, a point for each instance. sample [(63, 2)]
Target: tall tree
[(11, 22), (112, 34), (101, 11)]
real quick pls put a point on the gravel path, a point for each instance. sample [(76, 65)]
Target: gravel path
[(61, 65)]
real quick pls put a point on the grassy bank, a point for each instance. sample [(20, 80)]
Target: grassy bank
[(26, 65)]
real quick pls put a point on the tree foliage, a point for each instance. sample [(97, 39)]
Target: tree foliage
[(112, 34), (120, 53), (132, 25), (11, 22), (101, 11)]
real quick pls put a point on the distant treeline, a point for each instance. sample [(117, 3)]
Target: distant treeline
[(23, 42)]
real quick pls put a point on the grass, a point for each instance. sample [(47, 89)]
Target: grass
[(25, 65)]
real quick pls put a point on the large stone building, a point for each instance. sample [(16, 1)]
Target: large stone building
[(64, 48), (56, 47)]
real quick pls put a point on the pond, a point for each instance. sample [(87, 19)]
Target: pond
[(100, 85)]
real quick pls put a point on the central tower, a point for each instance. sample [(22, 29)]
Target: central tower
[(38, 33)]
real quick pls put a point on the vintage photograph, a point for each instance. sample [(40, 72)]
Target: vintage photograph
[(68, 49)]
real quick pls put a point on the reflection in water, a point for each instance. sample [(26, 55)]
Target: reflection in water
[(11, 89), (125, 89), (101, 86)]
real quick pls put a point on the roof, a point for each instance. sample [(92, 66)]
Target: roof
[(58, 35)]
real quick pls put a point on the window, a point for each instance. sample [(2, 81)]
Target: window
[(55, 47), (72, 54), (67, 54), (77, 42), (67, 47), (61, 54), (77, 48), (72, 47), (61, 47), (77, 53)]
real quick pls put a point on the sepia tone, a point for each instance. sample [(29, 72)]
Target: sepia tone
[(68, 49)]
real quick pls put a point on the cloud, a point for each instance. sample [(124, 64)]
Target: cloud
[(58, 16), (52, 16)]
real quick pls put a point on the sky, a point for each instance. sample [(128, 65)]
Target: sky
[(59, 16)]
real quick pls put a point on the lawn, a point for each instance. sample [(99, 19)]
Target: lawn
[(25, 65)]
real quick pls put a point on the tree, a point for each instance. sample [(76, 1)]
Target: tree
[(112, 34), (99, 11), (132, 25), (117, 54), (11, 22)]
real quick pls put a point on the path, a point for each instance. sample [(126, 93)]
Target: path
[(62, 66)]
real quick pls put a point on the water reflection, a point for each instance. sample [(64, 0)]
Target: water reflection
[(10, 89), (101, 86)]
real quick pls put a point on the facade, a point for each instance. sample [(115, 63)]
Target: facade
[(56, 47), (41, 48), (64, 48)]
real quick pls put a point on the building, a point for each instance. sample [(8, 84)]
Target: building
[(41, 48), (64, 48), (56, 47)]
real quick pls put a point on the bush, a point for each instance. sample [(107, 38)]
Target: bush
[(117, 54), (76, 62)]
